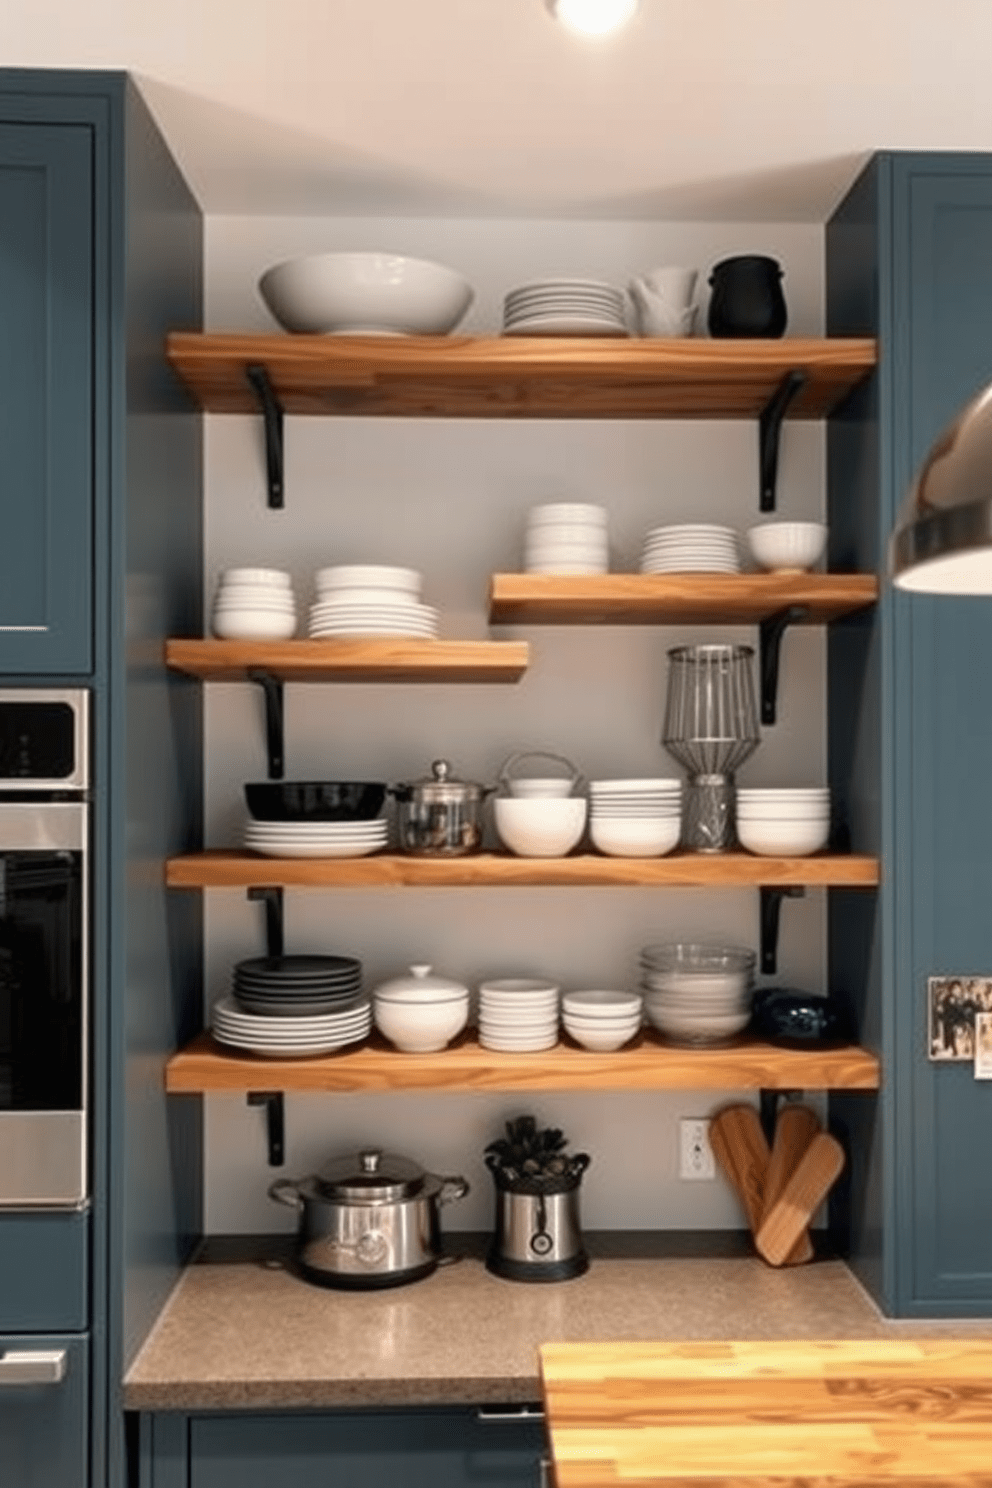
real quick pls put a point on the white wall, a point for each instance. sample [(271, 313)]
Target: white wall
[(450, 498)]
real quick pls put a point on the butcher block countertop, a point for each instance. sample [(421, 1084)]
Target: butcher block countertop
[(866, 1412), (241, 1331)]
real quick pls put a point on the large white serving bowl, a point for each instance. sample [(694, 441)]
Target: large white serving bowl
[(787, 546), (693, 1028), (541, 827), (783, 838), (635, 837), (366, 294), (420, 1027)]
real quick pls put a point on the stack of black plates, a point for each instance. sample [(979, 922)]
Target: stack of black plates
[(303, 986)]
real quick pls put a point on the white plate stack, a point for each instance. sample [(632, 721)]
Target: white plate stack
[(518, 1015), (635, 818), (567, 537), (357, 599), (602, 1021), (784, 823), (317, 839), (254, 604), (697, 994), (297, 1037), (691, 547), (564, 307)]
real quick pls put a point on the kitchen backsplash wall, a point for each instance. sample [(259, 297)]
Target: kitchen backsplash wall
[(450, 498)]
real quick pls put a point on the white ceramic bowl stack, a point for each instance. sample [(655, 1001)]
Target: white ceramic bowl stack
[(635, 818), (254, 604), (355, 599), (564, 307), (518, 1015), (784, 823), (691, 547), (697, 994), (787, 547), (602, 1020), (567, 537), (420, 1013)]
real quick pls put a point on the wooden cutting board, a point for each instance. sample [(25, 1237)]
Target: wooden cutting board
[(795, 1128), (790, 1214), (741, 1148), (869, 1413)]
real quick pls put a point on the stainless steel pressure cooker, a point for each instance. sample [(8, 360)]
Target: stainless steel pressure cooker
[(368, 1220)]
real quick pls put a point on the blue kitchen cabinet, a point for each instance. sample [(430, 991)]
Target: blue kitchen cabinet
[(909, 260), (430, 1448), (46, 408), (44, 1411)]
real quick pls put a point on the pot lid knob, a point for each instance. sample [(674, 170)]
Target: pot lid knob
[(441, 770), (370, 1160)]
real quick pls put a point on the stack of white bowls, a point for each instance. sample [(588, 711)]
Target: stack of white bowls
[(635, 818), (566, 537), (691, 547), (602, 1021), (254, 604), (784, 823), (370, 599), (518, 1015), (697, 994), (420, 1013)]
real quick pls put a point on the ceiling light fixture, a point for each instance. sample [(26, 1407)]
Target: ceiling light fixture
[(593, 17)]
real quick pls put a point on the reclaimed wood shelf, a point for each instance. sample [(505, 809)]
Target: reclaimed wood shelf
[(674, 599), (371, 659), (518, 377), (647, 1064), (229, 869)]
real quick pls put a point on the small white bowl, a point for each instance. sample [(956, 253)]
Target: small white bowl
[(600, 1040), (276, 578), (787, 547), (592, 1002), (783, 838), (635, 837), (368, 576), (365, 294), (545, 788), (541, 827), (253, 625), (565, 513), (420, 1027)]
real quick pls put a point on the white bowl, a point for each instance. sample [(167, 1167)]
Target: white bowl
[(368, 576), (535, 989), (695, 1029), (253, 625), (365, 294), (547, 549), (787, 547), (600, 1040), (420, 1027), (559, 513), (549, 787), (592, 1002), (635, 837), (784, 839), (540, 827), (276, 578), (569, 566)]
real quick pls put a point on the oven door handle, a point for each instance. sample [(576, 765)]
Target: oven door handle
[(32, 1367)]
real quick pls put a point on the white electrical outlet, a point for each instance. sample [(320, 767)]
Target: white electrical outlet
[(695, 1152)]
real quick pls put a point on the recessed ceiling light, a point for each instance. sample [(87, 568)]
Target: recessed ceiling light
[(593, 17)]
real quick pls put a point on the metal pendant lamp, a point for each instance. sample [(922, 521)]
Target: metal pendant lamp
[(942, 542)]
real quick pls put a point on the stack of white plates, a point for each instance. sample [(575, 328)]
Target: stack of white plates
[(564, 307), (566, 537), (635, 818), (316, 839), (697, 994), (254, 604), (290, 986), (370, 599), (602, 1021), (290, 1037), (784, 823), (518, 1015), (691, 547)]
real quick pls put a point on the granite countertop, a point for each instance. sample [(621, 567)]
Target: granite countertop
[(243, 1331)]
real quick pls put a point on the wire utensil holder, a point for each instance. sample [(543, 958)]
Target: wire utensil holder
[(710, 728)]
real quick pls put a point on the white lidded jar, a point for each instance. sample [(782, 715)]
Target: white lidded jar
[(420, 1013)]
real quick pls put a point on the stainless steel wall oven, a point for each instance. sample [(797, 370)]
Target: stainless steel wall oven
[(44, 947)]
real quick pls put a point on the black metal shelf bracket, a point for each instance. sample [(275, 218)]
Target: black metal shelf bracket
[(272, 417), (769, 434), (274, 721), (768, 1104), (771, 631), (275, 1122), (771, 908), (271, 896)]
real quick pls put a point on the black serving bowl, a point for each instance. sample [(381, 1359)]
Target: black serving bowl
[(315, 800), (783, 1015)]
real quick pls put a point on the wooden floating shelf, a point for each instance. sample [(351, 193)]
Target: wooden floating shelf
[(647, 1064), (519, 377), (372, 659), (234, 869), (673, 599)]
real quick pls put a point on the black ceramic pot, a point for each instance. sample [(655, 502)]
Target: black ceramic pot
[(747, 298), (783, 1015)]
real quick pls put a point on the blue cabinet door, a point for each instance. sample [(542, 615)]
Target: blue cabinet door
[(46, 371), (43, 1424)]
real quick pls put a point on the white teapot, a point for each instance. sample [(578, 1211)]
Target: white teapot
[(662, 300)]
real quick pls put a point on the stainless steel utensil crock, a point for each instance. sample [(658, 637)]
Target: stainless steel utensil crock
[(368, 1220), (538, 1236), (440, 816)]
